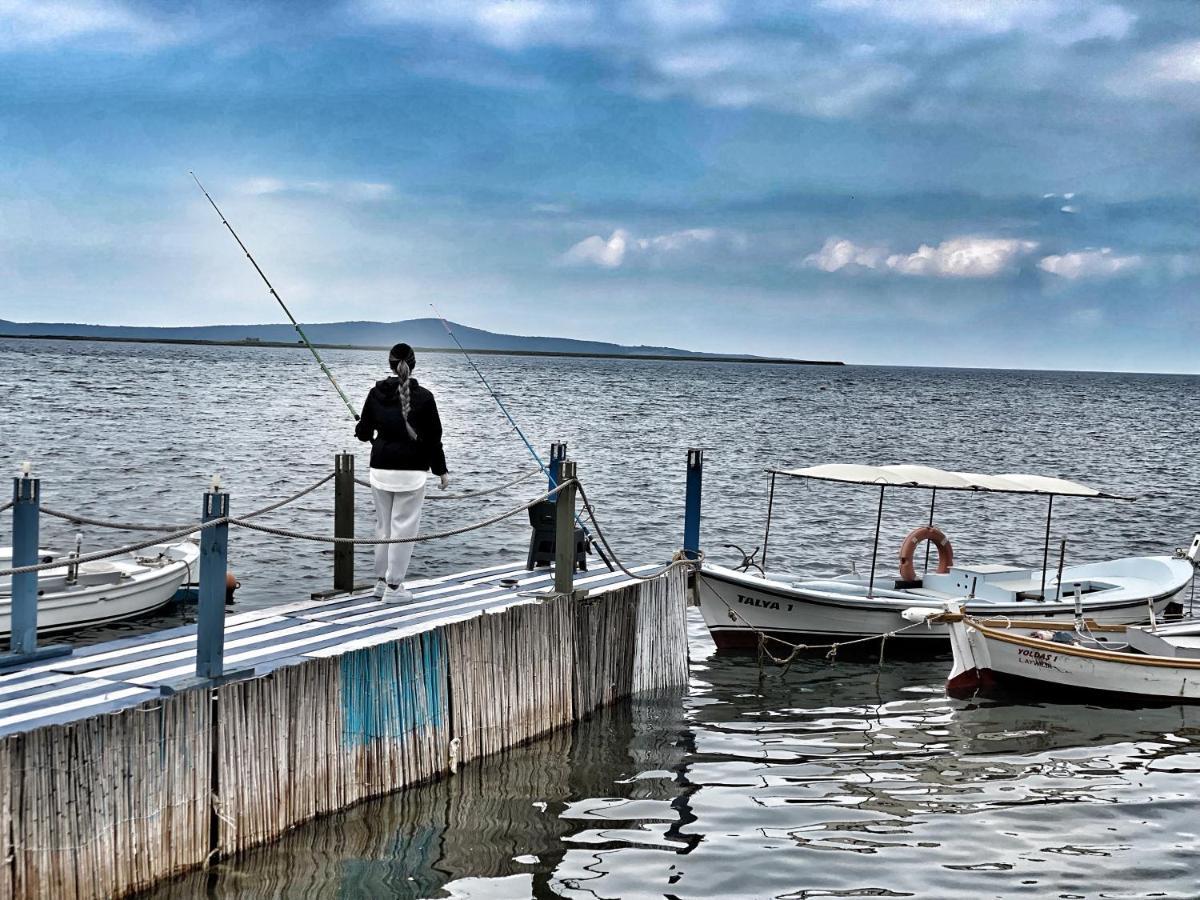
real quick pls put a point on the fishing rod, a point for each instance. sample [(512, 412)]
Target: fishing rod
[(274, 293), (513, 422)]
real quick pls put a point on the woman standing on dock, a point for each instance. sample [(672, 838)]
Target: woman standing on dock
[(400, 419)]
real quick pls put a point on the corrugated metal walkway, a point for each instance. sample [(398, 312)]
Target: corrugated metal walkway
[(120, 674)]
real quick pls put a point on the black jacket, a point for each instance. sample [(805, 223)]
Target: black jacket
[(382, 423)]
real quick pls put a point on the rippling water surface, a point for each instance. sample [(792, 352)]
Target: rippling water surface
[(852, 779)]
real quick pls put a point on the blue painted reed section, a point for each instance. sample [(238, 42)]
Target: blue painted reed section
[(392, 690)]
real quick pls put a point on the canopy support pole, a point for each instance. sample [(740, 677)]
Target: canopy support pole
[(1046, 545), (932, 502), (875, 547), (767, 533)]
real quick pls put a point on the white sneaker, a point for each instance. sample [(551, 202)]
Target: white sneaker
[(397, 594), (380, 588)]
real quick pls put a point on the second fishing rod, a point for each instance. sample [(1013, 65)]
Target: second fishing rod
[(346, 400)]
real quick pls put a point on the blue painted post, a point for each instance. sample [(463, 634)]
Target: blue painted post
[(558, 452), (691, 514), (214, 555), (27, 494), (23, 646)]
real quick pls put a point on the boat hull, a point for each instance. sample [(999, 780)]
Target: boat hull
[(737, 608), (86, 605)]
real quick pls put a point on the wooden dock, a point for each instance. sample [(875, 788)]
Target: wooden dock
[(116, 770)]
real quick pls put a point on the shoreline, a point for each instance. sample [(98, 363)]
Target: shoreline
[(297, 345)]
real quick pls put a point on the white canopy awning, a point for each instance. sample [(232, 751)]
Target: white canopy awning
[(930, 478)]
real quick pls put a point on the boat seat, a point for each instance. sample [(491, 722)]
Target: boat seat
[(1155, 644)]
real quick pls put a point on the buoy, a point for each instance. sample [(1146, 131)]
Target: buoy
[(945, 552), (231, 585)]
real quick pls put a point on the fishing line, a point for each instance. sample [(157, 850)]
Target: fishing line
[(300, 331), (517, 428), (504, 409)]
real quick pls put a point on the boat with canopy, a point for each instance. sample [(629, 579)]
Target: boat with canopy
[(744, 605)]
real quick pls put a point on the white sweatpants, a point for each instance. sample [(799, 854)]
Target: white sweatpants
[(397, 514)]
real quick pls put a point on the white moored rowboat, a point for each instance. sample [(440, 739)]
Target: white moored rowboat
[(73, 596), (1121, 662)]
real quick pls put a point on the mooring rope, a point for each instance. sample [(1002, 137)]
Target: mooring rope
[(78, 519), (795, 649), (470, 494), (591, 514), (6, 506)]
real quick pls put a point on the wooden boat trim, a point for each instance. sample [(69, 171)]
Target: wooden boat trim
[(1167, 662), (1004, 622)]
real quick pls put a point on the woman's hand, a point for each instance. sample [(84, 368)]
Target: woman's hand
[(443, 481)]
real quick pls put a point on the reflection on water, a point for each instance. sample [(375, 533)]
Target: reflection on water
[(846, 780)]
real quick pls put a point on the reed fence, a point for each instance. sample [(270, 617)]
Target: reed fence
[(109, 805)]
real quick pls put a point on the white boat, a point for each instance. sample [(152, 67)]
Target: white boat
[(73, 596), (741, 605), (1122, 662)]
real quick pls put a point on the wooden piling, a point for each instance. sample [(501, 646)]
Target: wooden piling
[(343, 521), (564, 529)]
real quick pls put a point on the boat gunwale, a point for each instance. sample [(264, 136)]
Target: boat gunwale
[(898, 604), (1145, 659)]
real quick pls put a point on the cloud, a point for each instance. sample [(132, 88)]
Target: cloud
[(622, 247), (785, 74), (346, 190), (960, 257), (1102, 263), (964, 257), (838, 253), (596, 251), (1062, 22), (32, 23), (507, 24), (1170, 72), (1176, 64)]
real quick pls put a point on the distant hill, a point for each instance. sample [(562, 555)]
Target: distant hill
[(423, 333)]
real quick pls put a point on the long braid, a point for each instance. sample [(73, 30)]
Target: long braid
[(404, 371)]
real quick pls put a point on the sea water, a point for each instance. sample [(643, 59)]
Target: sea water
[(838, 779)]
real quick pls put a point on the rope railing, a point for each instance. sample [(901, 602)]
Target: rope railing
[(168, 533), (333, 539), (118, 551), (470, 495), (675, 563), (78, 519)]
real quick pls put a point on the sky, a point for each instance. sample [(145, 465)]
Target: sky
[(1011, 183)]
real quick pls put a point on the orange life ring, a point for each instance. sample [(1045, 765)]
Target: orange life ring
[(908, 571)]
